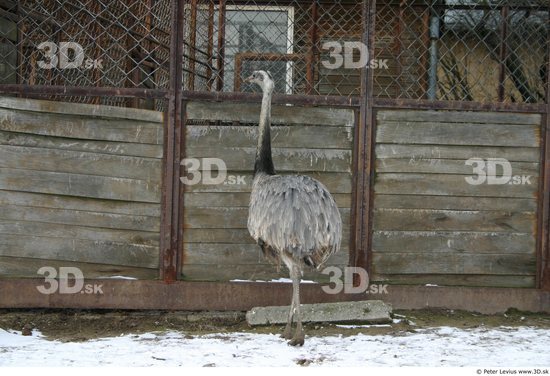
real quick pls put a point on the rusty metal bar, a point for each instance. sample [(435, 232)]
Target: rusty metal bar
[(366, 148), (300, 100), (544, 235), (25, 89), (210, 47), (241, 296), (310, 70), (170, 237), (503, 52), (221, 44), (193, 45)]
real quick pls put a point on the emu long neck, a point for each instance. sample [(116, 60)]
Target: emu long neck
[(264, 162)]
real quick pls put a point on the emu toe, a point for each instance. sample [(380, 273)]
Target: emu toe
[(297, 340)]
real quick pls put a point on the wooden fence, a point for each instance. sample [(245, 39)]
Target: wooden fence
[(80, 185), (430, 224)]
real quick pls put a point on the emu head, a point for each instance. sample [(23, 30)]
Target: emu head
[(262, 78)]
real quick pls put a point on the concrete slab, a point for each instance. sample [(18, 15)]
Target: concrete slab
[(371, 311)]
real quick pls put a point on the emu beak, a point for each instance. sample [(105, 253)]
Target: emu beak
[(248, 79)]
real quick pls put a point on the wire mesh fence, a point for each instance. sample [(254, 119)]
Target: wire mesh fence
[(462, 50)]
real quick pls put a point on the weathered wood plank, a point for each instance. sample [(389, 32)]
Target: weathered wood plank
[(257, 272), (452, 242), (419, 152), (454, 263), (138, 209), (454, 203), (79, 217), (32, 158), (220, 217), (285, 160), (79, 250), (335, 183), (91, 146), (235, 236), (250, 112), (22, 227), (79, 185), (100, 111), (23, 267), (458, 117), (69, 126), (446, 166), (454, 220), (449, 185), (236, 199), (197, 253), (511, 281), (312, 137), (458, 134)]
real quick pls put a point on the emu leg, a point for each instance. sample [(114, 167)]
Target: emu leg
[(298, 338), (287, 334)]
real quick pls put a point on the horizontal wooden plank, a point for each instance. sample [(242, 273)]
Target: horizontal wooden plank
[(335, 182), (220, 217), (197, 253), (452, 242), (454, 220), (512, 281), (447, 166), (458, 117), (454, 203), (79, 217), (235, 236), (454, 263), (458, 134), (77, 162), (285, 160), (78, 250), (448, 185), (79, 185), (69, 126), (247, 272), (101, 111), (55, 230), (138, 209), (419, 152), (296, 136), (23, 267), (91, 146), (250, 113), (240, 199)]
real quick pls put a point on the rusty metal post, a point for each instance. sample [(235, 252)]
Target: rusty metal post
[(192, 45), (503, 52), (543, 251), (221, 44), (365, 148), (210, 47), (310, 70), (171, 231)]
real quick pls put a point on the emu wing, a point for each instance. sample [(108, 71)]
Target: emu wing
[(295, 214)]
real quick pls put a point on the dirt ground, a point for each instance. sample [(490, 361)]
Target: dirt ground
[(81, 325)]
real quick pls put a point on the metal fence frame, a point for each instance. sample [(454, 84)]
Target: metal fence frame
[(174, 294)]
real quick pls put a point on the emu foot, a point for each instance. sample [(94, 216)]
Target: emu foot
[(297, 340)]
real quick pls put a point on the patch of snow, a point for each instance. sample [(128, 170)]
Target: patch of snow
[(364, 326), (447, 346), (431, 285), (279, 280)]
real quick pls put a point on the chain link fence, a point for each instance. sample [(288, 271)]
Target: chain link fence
[(460, 50)]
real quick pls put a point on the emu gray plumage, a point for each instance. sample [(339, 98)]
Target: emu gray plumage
[(293, 218)]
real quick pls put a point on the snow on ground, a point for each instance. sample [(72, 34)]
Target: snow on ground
[(442, 346)]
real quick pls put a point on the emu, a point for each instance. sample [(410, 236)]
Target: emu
[(293, 218)]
